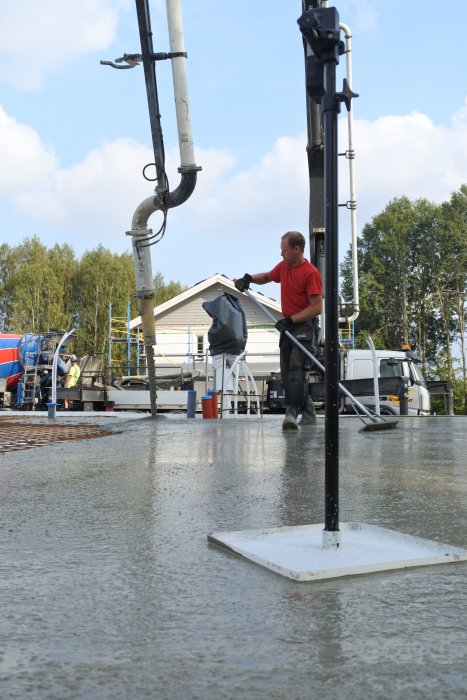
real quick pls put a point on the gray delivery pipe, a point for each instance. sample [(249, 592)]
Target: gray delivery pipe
[(162, 200)]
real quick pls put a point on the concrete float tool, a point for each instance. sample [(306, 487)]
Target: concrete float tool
[(374, 422)]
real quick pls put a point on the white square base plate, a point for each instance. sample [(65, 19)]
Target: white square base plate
[(303, 553)]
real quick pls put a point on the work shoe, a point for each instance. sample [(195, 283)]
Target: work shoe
[(308, 414), (290, 420)]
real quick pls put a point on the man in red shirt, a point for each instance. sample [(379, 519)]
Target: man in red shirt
[(301, 302)]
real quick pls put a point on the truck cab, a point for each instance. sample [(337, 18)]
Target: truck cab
[(358, 364)]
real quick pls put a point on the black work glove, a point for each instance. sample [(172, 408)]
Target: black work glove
[(244, 282), (284, 324)]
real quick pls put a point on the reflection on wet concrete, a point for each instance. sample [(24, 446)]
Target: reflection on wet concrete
[(109, 589)]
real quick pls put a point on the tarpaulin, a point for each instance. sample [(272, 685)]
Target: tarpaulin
[(228, 333)]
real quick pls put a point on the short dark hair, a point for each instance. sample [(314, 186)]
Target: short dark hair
[(295, 238)]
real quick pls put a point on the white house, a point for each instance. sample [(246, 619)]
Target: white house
[(182, 327)]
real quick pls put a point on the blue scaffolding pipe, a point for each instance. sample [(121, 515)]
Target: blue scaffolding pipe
[(189, 349), (128, 342), (110, 336)]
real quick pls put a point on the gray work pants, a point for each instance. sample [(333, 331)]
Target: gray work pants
[(295, 365)]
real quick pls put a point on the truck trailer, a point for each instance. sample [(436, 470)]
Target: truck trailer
[(399, 382)]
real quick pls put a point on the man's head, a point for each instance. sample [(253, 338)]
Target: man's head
[(295, 238), (73, 358), (292, 247)]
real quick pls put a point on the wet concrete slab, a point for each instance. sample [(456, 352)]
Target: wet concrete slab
[(303, 552), (109, 588)]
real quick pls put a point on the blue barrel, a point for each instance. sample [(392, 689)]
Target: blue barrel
[(191, 404)]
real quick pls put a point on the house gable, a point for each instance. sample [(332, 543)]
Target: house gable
[(186, 309)]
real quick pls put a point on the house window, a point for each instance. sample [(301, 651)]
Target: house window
[(200, 345)]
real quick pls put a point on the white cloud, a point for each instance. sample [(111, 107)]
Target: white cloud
[(408, 156), (26, 161), (94, 200), (262, 198), (38, 37), (233, 221)]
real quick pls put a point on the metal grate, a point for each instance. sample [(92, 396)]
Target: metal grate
[(22, 435)]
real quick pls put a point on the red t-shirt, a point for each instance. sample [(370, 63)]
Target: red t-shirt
[(298, 284)]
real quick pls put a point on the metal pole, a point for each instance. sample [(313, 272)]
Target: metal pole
[(189, 349), (147, 52), (145, 294), (371, 345), (162, 200), (109, 354), (315, 154), (320, 28), (404, 398), (331, 109), (180, 84), (353, 197), (54, 364), (449, 403), (138, 349), (128, 340)]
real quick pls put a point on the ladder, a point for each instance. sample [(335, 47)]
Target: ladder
[(31, 381), (230, 391), (30, 396)]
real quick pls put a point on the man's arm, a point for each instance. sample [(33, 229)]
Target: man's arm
[(243, 283), (260, 278), (313, 309), (257, 278)]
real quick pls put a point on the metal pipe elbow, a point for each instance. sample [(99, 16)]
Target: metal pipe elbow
[(174, 199)]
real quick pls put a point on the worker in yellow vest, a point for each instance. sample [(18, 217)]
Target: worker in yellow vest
[(72, 379)]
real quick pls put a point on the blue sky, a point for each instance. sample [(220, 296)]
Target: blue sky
[(74, 135)]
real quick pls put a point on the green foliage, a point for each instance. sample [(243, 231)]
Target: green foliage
[(451, 372), (413, 272), (163, 291), (34, 286), (44, 288), (102, 280)]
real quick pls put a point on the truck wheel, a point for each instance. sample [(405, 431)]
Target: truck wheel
[(385, 410)]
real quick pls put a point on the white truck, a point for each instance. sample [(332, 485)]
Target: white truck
[(398, 376), (358, 364)]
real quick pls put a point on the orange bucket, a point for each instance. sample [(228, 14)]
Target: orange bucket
[(206, 404), (215, 407)]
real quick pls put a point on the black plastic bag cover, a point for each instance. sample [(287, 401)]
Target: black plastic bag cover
[(228, 332)]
